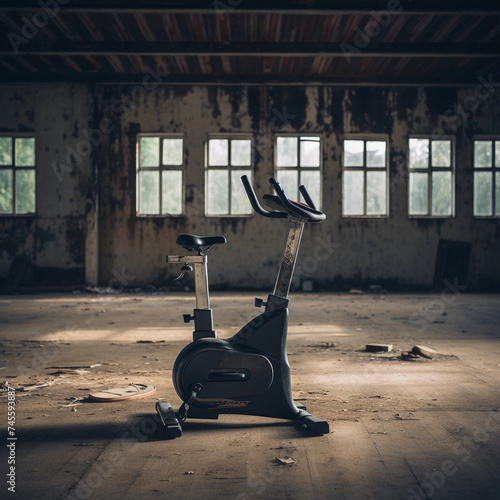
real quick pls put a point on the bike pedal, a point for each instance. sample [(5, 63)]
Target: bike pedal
[(169, 419)]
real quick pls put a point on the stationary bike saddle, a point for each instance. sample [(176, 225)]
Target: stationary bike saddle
[(201, 244)]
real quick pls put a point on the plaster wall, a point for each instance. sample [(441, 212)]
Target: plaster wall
[(394, 250), (51, 242), (86, 223)]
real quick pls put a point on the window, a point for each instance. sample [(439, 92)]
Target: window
[(160, 172), (298, 161), (431, 177), (17, 175), (487, 178), (364, 188), (227, 159)]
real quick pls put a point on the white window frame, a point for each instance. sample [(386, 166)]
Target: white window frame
[(365, 169), (229, 168), (428, 171), (298, 196), (13, 136), (160, 168), (493, 170)]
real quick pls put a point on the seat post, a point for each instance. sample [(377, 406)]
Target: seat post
[(201, 284), (203, 319)]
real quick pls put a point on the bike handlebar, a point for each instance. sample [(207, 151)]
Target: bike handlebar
[(286, 206), (255, 202)]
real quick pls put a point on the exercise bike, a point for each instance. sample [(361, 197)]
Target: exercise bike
[(248, 373)]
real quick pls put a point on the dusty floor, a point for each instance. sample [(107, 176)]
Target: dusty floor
[(399, 429)]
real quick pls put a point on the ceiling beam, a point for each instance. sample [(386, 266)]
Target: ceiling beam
[(238, 49), (297, 7), (238, 80)]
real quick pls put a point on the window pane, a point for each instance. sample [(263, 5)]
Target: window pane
[(497, 194), (25, 152), (497, 153), (418, 194), (353, 153), (441, 153), (376, 193), (171, 185), (241, 152), (217, 192), (149, 192), (441, 193), (309, 151), (149, 152), (312, 182), (353, 193), (172, 151), (419, 153), (5, 191), (375, 153), (5, 151), (482, 154), (483, 193), (286, 151), (25, 191), (289, 182), (217, 152), (239, 200)]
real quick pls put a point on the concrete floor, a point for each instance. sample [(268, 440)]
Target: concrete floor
[(399, 429)]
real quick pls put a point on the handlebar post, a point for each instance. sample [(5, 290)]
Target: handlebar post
[(289, 257)]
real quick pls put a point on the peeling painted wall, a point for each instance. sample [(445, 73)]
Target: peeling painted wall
[(122, 248), (51, 243)]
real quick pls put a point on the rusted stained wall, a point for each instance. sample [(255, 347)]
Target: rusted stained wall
[(53, 241), (392, 250), (86, 208)]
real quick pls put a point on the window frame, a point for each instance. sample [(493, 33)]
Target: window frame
[(13, 136), (429, 170), (229, 168), (299, 168), (495, 171), (365, 169), (160, 168)]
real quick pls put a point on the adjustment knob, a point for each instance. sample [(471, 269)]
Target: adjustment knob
[(187, 318), (259, 302)]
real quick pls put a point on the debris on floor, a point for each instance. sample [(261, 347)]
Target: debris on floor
[(285, 461), (379, 347), (74, 367), (133, 391), (73, 401), (324, 345), (422, 353)]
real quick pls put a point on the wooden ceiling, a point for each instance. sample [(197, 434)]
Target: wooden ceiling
[(391, 42)]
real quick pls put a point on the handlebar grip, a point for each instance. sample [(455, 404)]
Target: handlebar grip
[(297, 209), (255, 202), (306, 196)]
